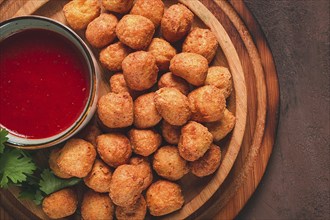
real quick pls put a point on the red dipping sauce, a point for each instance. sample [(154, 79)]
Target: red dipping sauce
[(44, 83)]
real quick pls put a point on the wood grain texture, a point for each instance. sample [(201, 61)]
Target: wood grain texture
[(254, 77)]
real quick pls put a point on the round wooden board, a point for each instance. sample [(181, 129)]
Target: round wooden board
[(262, 98)]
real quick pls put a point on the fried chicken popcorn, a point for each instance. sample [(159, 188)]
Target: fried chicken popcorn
[(172, 105), (220, 129), (176, 22), (164, 197), (112, 56), (137, 211), (114, 149), (144, 168), (201, 41), (135, 31), (171, 133), (126, 185), (194, 141), (144, 142), (116, 110), (162, 51), (79, 13), (168, 163), (140, 70), (145, 112), (151, 9), (118, 83), (102, 30), (208, 163), (118, 6), (53, 164), (60, 204), (190, 66), (99, 177), (76, 158), (207, 104), (97, 206), (173, 81), (220, 77)]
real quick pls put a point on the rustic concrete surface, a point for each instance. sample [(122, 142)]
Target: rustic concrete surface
[(296, 183)]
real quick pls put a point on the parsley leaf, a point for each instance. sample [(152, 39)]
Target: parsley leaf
[(14, 166), (3, 139), (49, 183)]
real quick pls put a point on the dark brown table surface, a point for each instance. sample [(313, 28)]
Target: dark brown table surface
[(296, 182)]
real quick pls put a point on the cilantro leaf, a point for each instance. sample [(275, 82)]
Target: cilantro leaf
[(3, 139), (38, 197), (30, 190), (14, 167), (49, 183)]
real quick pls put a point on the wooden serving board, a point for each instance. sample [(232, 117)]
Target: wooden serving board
[(262, 94)]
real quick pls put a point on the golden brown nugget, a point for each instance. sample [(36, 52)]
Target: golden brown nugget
[(76, 157), (207, 104), (145, 112), (171, 133), (136, 211), (102, 30), (118, 83), (194, 141), (119, 6), (190, 66), (97, 206), (135, 31), (176, 22), (79, 13), (116, 110), (114, 149), (164, 197), (162, 51), (140, 70), (60, 204), (172, 105), (168, 163), (112, 56), (201, 41), (99, 178), (220, 129), (126, 185), (220, 77), (173, 81), (151, 9), (53, 164), (144, 168), (144, 142), (207, 164)]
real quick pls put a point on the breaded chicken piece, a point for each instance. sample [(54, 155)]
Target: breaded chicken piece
[(164, 197), (79, 13), (76, 157), (97, 206), (190, 66), (176, 22), (172, 105), (194, 141), (60, 204)]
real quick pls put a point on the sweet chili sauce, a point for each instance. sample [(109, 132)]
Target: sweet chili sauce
[(44, 83)]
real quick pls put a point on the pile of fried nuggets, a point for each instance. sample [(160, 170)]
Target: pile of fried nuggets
[(189, 103)]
